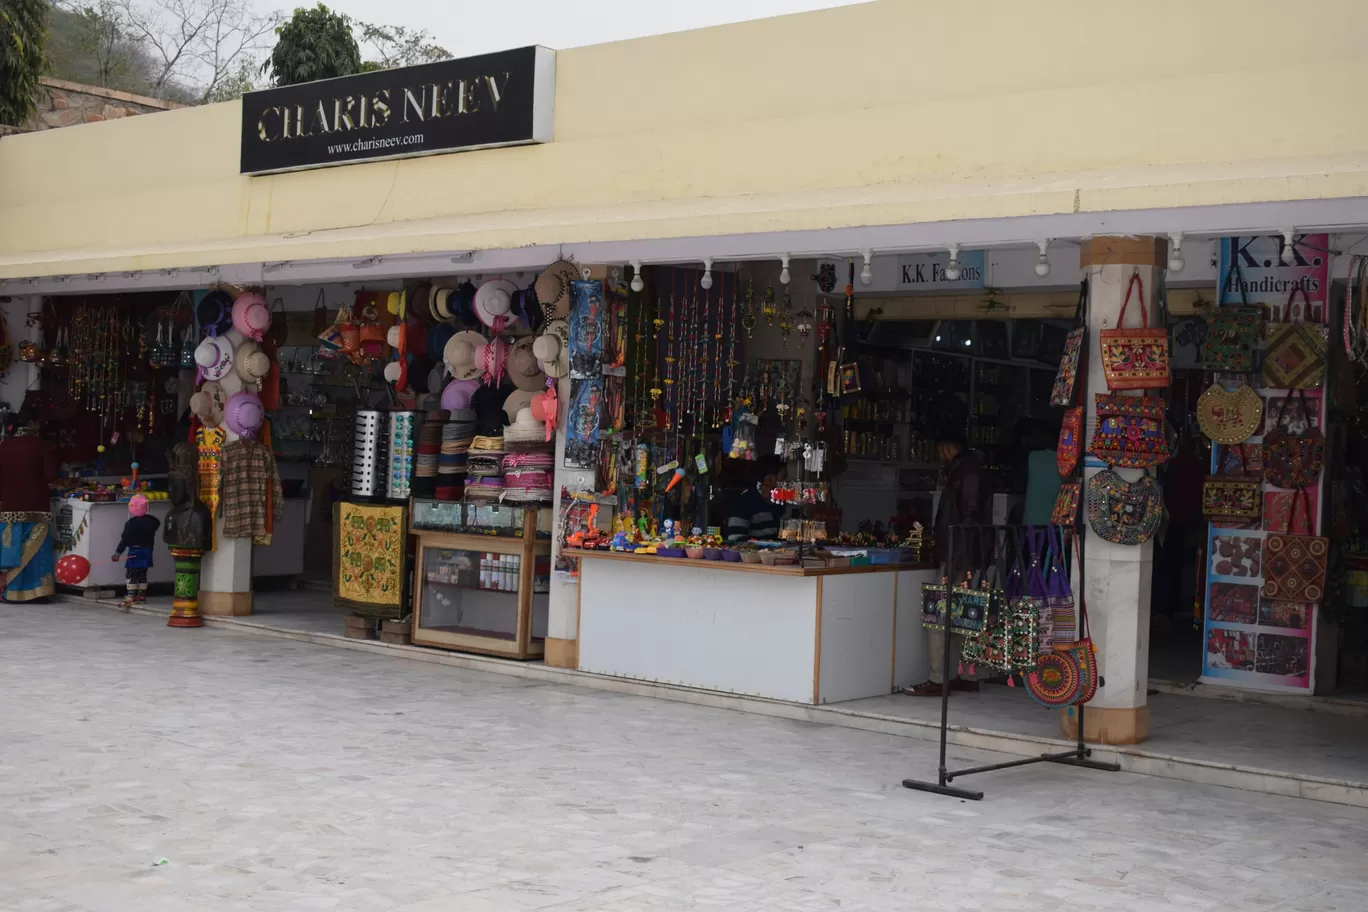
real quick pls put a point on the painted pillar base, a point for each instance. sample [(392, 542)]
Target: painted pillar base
[(562, 653), (185, 604), (225, 604), (1108, 726)]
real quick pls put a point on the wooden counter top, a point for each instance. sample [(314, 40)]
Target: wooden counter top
[(651, 559)]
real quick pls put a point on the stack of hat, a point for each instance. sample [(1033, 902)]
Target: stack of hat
[(457, 435), (484, 468), (528, 461), (429, 452)]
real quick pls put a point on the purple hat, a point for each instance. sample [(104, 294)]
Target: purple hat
[(457, 394), (244, 414)]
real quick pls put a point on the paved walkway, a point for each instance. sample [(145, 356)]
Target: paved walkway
[(275, 775)]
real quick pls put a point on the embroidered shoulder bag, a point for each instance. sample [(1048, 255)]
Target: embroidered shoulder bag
[(1130, 431), (1083, 651), (1294, 565), (1293, 460), (1124, 512), (1070, 441), (1296, 353), (1067, 378), (1066, 504), (1232, 498), (1138, 357), (1232, 341), (1229, 417), (1063, 619)]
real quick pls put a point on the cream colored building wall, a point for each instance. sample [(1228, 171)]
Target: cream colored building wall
[(893, 112)]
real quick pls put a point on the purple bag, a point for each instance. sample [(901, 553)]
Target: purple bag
[(1059, 594), (1035, 588)]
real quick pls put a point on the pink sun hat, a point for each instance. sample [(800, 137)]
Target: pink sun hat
[(251, 316)]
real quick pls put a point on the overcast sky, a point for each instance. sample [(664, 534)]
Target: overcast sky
[(466, 28)]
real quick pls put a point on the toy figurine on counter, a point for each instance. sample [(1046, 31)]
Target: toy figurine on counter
[(139, 535)]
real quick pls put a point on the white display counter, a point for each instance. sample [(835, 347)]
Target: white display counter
[(806, 635)]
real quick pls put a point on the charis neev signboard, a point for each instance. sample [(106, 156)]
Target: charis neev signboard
[(503, 99)]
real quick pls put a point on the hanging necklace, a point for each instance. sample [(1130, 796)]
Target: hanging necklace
[(715, 387), (786, 316), (733, 331), (748, 308), (769, 308)]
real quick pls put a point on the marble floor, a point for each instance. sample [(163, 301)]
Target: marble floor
[(145, 768)]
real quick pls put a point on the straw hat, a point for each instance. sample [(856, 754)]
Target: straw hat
[(516, 402), (244, 414), (494, 303), (525, 428), (440, 295), (251, 363), (215, 357), (491, 358), (208, 403), (459, 355), (552, 348), (522, 366), (251, 316), (553, 288)]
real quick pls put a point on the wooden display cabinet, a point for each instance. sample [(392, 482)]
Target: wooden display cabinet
[(475, 591)]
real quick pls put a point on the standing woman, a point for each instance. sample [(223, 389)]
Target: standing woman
[(28, 464)]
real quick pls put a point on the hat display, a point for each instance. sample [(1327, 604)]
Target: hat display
[(215, 357), (457, 394), (214, 313), (552, 348), (523, 369), (251, 363), (441, 310), (251, 316), (546, 408), (244, 414), (494, 303), (459, 354), (488, 405), (553, 288), (526, 307), (491, 358), (419, 300), (516, 402), (208, 404)]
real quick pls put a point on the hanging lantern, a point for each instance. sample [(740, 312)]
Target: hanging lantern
[(803, 323), (769, 308)]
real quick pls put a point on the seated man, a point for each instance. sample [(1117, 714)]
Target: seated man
[(752, 514)]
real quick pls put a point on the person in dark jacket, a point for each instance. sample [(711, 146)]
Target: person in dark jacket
[(966, 500), (139, 536), (28, 464), (752, 513)]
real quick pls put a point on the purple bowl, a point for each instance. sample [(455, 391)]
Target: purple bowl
[(731, 556), (712, 553), (670, 552)]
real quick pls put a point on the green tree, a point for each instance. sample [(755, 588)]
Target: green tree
[(23, 34), (314, 44), (395, 46)]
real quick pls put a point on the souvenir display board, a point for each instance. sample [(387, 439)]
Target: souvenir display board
[(1249, 639)]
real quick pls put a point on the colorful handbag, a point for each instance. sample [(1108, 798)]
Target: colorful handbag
[(1293, 460), (933, 605), (1232, 342), (1124, 512), (1296, 352), (1057, 680), (1059, 596), (969, 610), (1294, 565), (1067, 378), (1130, 431), (1070, 442), (1229, 417), (1083, 650), (1035, 593), (1066, 504), (1136, 358), (1232, 498)]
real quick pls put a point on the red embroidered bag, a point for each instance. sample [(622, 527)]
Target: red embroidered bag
[(1294, 565), (1293, 460), (1136, 358), (1070, 441)]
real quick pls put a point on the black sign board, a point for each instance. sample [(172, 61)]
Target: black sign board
[(503, 99)]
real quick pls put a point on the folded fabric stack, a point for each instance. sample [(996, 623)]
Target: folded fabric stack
[(484, 468), (528, 466), (457, 435), (429, 450)]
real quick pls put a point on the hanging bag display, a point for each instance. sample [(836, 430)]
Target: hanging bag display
[(1293, 460), (1229, 417), (1083, 651), (1296, 353), (1066, 504), (1232, 340), (1067, 377), (1130, 431), (1294, 565), (1070, 441), (1137, 357), (968, 605), (1230, 498), (1124, 512), (1034, 591), (1060, 597), (933, 605)]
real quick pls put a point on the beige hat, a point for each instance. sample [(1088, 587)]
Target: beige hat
[(440, 296), (552, 348), (523, 369), (517, 401), (251, 363), (209, 402), (553, 288), (459, 355)]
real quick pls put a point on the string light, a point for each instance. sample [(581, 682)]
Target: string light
[(952, 270), (1176, 261), (867, 273)]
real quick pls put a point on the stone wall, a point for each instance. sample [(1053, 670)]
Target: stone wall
[(64, 104)]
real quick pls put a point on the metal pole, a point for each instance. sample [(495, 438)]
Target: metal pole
[(945, 666)]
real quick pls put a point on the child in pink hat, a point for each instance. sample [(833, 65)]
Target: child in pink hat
[(139, 535)]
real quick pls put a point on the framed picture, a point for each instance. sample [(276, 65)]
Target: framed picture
[(850, 378)]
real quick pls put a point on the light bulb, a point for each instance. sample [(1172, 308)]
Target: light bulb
[(638, 283), (706, 281), (1042, 266), (1289, 255), (784, 275), (1176, 261), (867, 273), (967, 342), (952, 270)]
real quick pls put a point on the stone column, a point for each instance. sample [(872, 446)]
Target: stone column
[(226, 577), (1117, 586)]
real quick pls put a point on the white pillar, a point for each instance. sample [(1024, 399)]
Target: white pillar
[(226, 573), (1117, 585)]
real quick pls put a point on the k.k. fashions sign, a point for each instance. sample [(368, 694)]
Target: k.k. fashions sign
[(503, 99)]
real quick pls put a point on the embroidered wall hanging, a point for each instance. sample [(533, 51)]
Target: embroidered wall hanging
[(1229, 417), (1135, 357), (1232, 340), (1294, 565), (1295, 355), (368, 559), (1130, 431), (1123, 512)]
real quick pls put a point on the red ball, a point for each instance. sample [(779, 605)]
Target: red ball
[(72, 570)]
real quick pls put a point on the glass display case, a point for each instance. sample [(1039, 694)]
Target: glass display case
[(480, 585)]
